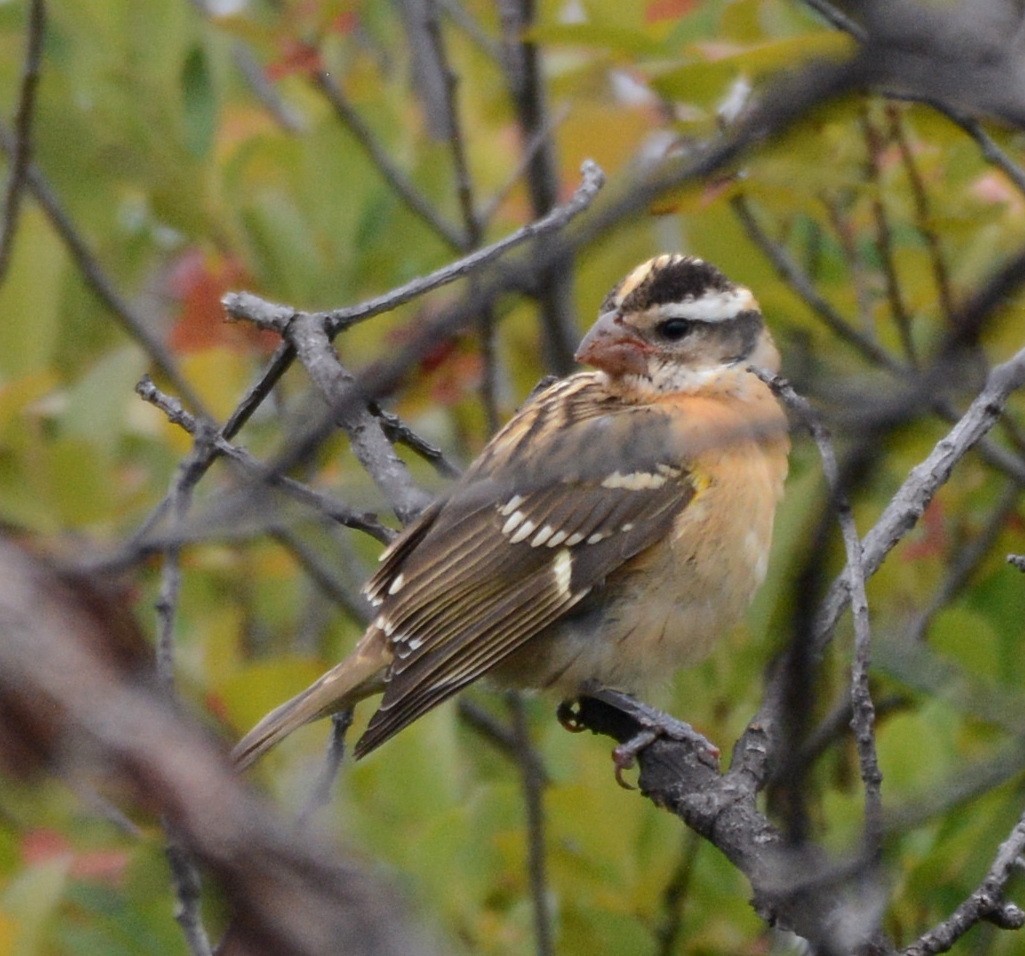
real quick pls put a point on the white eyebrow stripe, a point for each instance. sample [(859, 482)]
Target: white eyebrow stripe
[(711, 307)]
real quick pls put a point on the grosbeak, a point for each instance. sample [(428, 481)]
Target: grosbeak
[(606, 536)]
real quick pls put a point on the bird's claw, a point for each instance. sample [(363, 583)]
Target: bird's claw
[(625, 755)]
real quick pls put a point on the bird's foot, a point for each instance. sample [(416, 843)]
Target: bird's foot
[(652, 724), (625, 755)]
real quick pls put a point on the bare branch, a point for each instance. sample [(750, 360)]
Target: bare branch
[(77, 692), (922, 483), (244, 305), (369, 443), (399, 182), (188, 892), (523, 70), (923, 215), (966, 560), (97, 280), (862, 709), (837, 19), (532, 781), (401, 434), (801, 283), (323, 503), (21, 153), (874, 146), (986, 903)]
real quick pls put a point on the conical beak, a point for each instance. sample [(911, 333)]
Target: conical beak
[(614, 347)]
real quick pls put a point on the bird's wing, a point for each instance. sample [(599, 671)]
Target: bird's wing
[(521, 540)]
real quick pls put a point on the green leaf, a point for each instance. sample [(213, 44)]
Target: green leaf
[(199, 102), (30, 300), (696, 78), (615, 39), (30, 902)]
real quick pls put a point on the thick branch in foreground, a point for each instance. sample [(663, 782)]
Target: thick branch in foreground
[(76, 697)]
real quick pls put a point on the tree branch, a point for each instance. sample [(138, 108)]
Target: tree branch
[(21, 153)]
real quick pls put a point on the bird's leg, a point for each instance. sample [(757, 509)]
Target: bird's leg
[(652, 724)]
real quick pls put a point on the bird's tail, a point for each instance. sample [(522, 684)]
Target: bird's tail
[(360, 675)]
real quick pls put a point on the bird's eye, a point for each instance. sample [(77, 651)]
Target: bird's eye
[(672, 330)]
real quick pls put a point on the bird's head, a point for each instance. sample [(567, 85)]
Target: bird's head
[(674, 324)]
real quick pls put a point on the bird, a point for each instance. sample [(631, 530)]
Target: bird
[(609, 534)]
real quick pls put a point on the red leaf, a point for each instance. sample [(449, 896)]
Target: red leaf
[(658, 10), (297, 57), (198, 281)]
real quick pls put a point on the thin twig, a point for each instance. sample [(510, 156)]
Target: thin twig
[(184, 875), (837, 19), (922, 483), (180, 494), (799, 281), (321, 573), (97, 280), (471, 220), (988, 147), (401, 434), (188, 891), (923, 214), (325, 504), (667, 933), (884, 236), (967, 559), (459, 16), (283, 112), (862, 708), (847, 238), (533, 784), (366, 436), (21, 154), (527, 154), (464, 183), (523, 71), (986, 903), (399, 182), (320, 795)]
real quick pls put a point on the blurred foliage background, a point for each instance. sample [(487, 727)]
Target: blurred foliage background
[(194, 149)]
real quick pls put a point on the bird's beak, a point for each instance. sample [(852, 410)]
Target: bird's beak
[(614, 347)]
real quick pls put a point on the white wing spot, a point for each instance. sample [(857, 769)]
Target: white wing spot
[(635, 481), (385, 625), (542, 536), (512, 521), (574, 538), (562, 566), (396, 585), (556, 539), (524, 531), (629, 526), (415, 643), (596, 537), (511, 505)]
